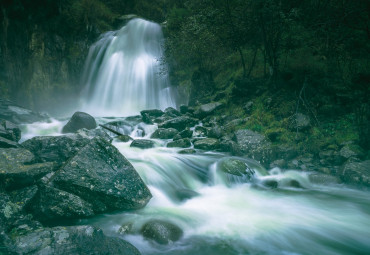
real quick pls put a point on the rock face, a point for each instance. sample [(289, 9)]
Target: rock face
[(356, 173), (164, 133), (70, 240), (161, 232), (142, 144), (79, 120), (5, 143), (101, 176)]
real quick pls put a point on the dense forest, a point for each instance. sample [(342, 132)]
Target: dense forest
[(285, 57)]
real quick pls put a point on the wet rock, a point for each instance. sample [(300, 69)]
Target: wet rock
[(172, 112), (9, 131), (152, 113), (17, 114), (200, 131), (254, 145), (143, 144), (124, 138), (120, 126), (162, 232), (207, 109), (184, 109), (215, 132), (236, 167), (55, 148), (79, 120), (52, 204), (281, 163), (24, 197), (90, 134), (5, 143), (185, 194), (187, 133), (179, 123), (164, 133), (103, 177), (17, 168), (227, 145), (182, 143), (207, 144), (299, 122), (187, 151), (356, 173), (69, 240), (270, 183), (351, 151)]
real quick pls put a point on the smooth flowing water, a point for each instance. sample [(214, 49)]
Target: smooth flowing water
[(230, 216), (123, 72)]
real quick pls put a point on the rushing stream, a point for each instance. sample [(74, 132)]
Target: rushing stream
[(231, 216), (218, 215)]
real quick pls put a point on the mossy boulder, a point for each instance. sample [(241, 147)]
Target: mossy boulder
[(182, 143), (164, 133), (143, 143), (207, 144)]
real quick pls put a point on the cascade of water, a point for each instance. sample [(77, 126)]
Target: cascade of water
[(123, 74)]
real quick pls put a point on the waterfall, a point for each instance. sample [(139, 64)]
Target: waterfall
[(123, 74)]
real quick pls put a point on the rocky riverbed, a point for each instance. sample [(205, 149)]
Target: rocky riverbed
[(49, 182)]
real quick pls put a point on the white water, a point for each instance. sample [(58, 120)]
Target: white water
[(241, 218), (123, 74)]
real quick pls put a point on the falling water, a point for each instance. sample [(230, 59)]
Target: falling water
[(123, 73)]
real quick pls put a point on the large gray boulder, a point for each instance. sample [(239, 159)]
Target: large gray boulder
[(179, 123), (69, 240), (5, 143), (55, 148), (79, 120), (161, 231), (181, 143), (253, 145), (103, 177), (356, 173), (18, 170)]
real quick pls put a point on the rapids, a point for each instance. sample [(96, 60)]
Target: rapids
[(234, 217)]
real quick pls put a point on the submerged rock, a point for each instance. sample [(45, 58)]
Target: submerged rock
[(161, 231), (143, 144), (103, 177), (79, 120), (164, 133), (69, 240), (187, 151)]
